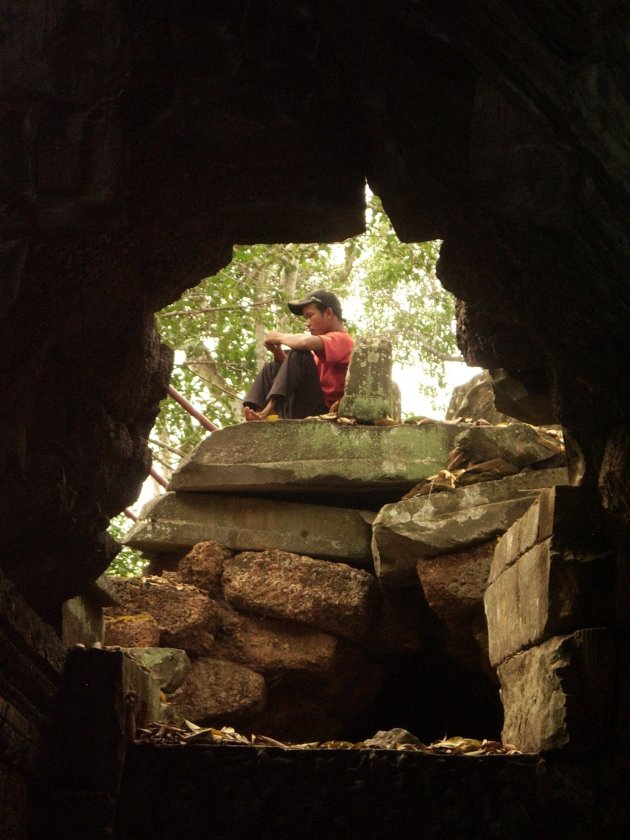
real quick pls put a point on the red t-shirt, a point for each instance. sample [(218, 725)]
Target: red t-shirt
[(332, 364)]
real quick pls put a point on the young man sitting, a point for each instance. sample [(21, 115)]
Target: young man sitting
[(310, 378)]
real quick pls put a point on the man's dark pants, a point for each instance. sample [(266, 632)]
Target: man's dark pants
[(292, 384)]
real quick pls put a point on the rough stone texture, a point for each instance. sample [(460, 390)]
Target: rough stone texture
[(614, 473), (454, 586), (172, 523), (292, 715), (218, 693), (187, 618), (372, 794), (369, 392), (391, 738), (572, 515), (559, 695), (169, 666), (474, 400), (399, 622), (31, 662), (330, 596), (268, 645), (318, 460), (517, 444), (203, 566), (93, 722), (521, 400), (550, 590), (427, 526), (135, 630)]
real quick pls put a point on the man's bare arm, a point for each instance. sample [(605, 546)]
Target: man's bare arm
[(296, 341)]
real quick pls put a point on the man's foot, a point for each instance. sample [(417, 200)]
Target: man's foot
[(251, 415)]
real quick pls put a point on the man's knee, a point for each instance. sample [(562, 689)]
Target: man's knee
[(299, 359)]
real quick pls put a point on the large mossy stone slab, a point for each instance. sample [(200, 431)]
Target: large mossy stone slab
[(174, 522), (317, 460)]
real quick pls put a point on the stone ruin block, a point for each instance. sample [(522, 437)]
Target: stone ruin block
[(104, 695), (174, 522), (169, 666), (269, 645), (317, 460), (454, 586), (216, 692), (517, 444), (573, 515), (330, 597), (428, 526), (559, 585), (186, 617), (559, 695), (82, 620), (370, 395)]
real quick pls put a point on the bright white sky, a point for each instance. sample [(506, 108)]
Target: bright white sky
[(413, 402)]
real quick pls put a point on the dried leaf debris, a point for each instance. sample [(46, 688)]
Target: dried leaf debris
[(168, 734)]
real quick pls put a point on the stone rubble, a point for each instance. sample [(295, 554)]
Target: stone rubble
[(291, 614)]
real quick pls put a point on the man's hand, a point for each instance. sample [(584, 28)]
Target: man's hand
[(273, 340), (296, 341)]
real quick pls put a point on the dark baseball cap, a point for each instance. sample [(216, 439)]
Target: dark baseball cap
[(320, 296)]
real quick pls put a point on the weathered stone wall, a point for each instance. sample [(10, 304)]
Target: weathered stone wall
[(369, 794), (550, 607), (31, 660)]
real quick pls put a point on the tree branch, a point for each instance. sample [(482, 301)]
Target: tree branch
[(172, 449), (229, 308)]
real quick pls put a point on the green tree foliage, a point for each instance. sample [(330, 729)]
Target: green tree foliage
[(403, 299), (216, 328), (127, 562)]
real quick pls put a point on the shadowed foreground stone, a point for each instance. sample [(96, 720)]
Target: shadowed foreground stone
[(168, 665), (559, 694), (174, 523), (454, 585), (315, 458), (427, 526), (552, 573), (330, 596), (218, 692), (370, 795)]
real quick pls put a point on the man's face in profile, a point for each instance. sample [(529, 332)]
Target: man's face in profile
[(317, 323)]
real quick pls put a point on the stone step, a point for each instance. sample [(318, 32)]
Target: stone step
[(173, 523), (317, 460)]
